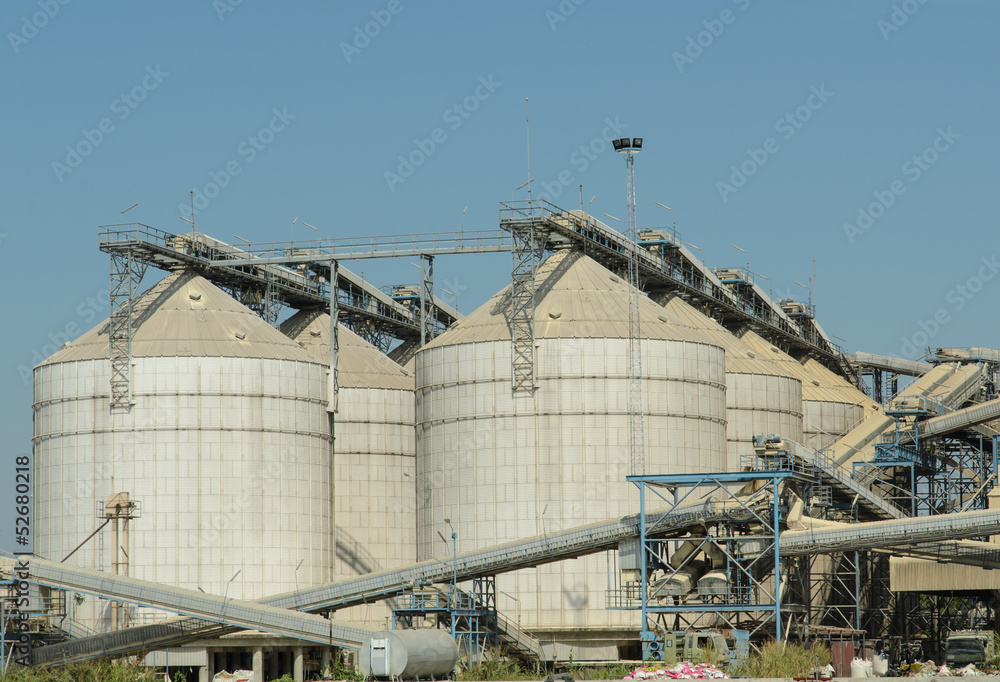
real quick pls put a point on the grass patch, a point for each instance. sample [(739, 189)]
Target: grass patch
[(790, 660), (104, 671), (496, 668)]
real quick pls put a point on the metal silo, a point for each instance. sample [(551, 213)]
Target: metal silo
[(843, 408), (830, 405), (225, 450), (761, 396), (374, 470), (502, 466)]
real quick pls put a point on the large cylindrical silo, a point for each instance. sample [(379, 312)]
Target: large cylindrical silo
[(761, 396), (374, 469), (844, 406), (503, 466), (830, 405), (225, 448)]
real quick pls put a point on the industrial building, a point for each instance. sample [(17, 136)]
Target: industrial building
[(263, 459)]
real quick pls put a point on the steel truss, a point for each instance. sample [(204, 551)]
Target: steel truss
[(636, 427), (126, 275), (426, 299), (527, 251), (939, 475)]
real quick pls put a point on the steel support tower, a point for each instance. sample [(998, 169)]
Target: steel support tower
[(527, 249), (126, 274), (426, 298)]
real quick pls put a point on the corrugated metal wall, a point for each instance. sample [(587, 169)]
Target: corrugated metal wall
[(228, 457)]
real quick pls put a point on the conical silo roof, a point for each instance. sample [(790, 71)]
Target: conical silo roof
[(817, 384), (359, 363), (186, 315), (834, 383), (741, 358), (575, 297)]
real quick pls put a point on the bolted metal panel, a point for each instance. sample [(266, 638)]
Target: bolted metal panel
[(500, 472)]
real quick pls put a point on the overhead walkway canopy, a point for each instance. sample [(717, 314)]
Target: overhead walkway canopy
[(974, 354), (889, 364)]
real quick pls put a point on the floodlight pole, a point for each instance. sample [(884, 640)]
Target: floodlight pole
[(637, 444)]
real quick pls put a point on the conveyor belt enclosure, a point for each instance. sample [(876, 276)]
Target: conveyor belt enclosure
[(533, 552)]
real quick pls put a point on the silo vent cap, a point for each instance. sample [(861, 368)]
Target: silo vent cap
[(241, 335), (194, 296), (555, 314), (314, 332)]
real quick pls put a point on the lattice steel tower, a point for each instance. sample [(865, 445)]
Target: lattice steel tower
[(636, 431)]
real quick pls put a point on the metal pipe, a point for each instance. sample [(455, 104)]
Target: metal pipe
[(106, 522)]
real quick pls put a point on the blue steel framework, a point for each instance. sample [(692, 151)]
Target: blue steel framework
[(954, 477), (931, 476), (745, 569), (470, 616), (5, 586)]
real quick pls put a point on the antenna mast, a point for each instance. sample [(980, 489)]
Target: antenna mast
[(527, 133)]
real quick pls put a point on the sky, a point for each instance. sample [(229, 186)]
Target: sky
[(848, 146)]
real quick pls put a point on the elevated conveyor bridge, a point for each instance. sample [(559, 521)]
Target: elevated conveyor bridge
[(918, 537)]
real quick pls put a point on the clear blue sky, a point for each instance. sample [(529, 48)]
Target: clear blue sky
[(827, 104)]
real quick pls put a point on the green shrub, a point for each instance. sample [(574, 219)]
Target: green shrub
[(496, 668)]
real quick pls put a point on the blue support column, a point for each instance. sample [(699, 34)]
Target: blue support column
[(777, 564), (647, 636)]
